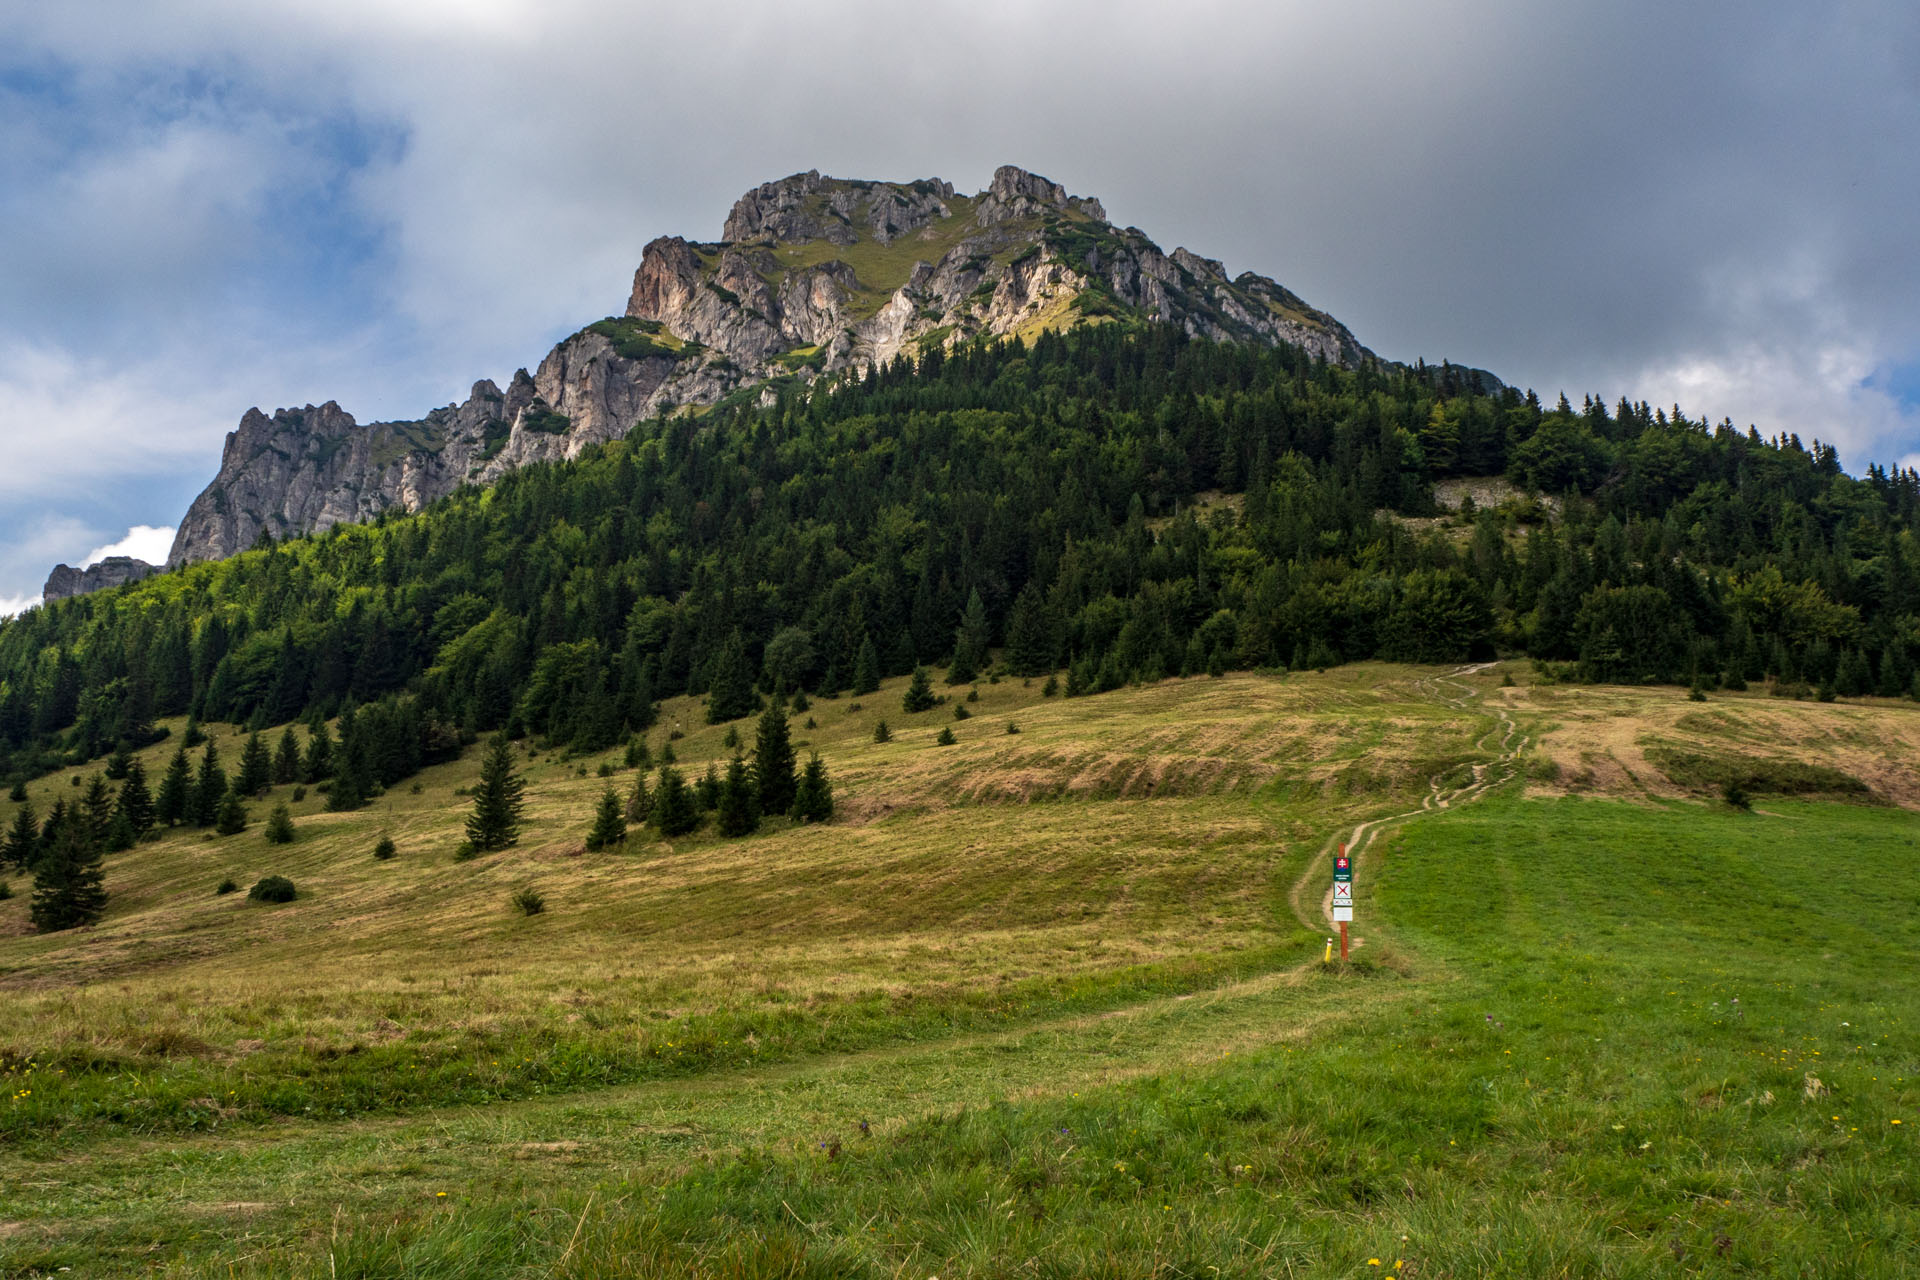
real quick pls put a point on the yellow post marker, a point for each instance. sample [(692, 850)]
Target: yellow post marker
[(1328, 958)]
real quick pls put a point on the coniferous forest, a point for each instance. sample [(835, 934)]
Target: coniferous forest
[(1116, 503)]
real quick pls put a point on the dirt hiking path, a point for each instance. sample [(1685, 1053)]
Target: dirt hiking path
[(1445, 789)]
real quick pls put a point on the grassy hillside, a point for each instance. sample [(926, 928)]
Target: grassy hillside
[(1046, 1001)]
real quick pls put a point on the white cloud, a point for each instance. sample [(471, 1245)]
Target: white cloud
[(143, 542), (1624, 198), (1818, 393), (69, 419), (12, 605)]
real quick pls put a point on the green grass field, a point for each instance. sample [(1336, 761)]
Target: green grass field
[(1044, 1003)]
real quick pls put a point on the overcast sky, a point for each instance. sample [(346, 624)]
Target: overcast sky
[(212, 204)]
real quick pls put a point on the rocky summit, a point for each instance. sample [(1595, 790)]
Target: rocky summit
[(66, 582), (811, 275)]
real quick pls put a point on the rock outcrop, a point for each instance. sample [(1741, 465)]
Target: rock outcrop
[(813, 275), (66, 582)]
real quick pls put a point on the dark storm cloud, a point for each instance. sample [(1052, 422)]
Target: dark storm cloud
[(220, 203)]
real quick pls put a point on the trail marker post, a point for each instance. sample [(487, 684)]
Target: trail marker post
[(1342, 894)]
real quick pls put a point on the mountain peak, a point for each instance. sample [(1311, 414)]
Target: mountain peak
[(812, 274)]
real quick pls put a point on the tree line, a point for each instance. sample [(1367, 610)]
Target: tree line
[(1118, 504)]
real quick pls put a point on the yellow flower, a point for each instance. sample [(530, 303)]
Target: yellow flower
[(1373, 1262)]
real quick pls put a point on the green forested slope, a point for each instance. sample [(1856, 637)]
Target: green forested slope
[(1122, 502)]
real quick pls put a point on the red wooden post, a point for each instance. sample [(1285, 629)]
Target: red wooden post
[(1343, 940)]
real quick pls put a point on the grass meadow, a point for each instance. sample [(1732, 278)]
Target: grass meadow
[(1038, 1003)]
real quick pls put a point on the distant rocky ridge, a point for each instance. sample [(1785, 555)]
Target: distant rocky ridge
[(66, 582), (813, 275)]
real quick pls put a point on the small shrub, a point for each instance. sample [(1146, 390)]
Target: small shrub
[(675, 735), (732, 739), (960, 711), (299, 794), (6, 891), (946, 738), (1736, 796), (1051, 687), (465, 851), (973, 694), (606, 768), (280, 826), (881, 733), (811, 724), (272, 889), (1012, 727), (225, 887), (529, 901), (852, 707), (384, 849), (417, 788), (19, 793), (800, 702)]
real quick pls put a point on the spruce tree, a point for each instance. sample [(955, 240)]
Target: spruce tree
[(280, 825), (286, 759), (497, 801), (640, 800), (57, 819), (919, 695), (209, 789), (136, 802), (731, 695), (99, 804), (353, 774), (118, 762), (68, 887), (675, 811), (171, 806), (707, 790), (120, 833), (866, 668), (195, 735), (256, 767), (813, 798), (738, 812), (317, 765), (970, 642), (609, 826), (1030, 643), (232, 819), (22, 847), (773, 761)]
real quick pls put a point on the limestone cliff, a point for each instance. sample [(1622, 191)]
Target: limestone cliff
[(66, 582), (813, 275)]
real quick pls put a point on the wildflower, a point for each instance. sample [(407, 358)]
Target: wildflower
[(1373, 1262)]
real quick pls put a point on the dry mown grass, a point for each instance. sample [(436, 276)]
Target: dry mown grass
[(1175, 810), (1599, 738)]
